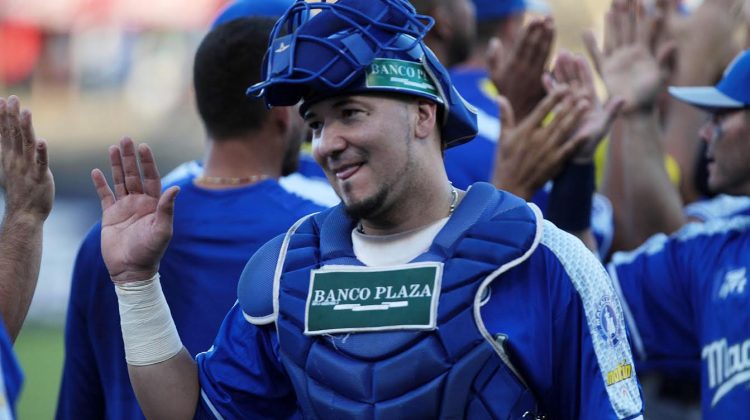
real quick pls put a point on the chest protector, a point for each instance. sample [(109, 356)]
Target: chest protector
[(457, 370)]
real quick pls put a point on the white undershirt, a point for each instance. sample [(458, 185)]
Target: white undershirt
[(399, 248)]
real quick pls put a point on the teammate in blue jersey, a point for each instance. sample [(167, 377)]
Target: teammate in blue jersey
[(411, 298), (686, 296), (29, 189), (227, 210)]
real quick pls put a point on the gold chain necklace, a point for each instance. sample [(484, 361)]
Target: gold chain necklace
[(222, 180), (451, 209)]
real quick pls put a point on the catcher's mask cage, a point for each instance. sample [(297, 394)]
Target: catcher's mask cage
[(318, 50)]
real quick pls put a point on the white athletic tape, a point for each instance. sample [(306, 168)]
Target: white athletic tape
[(148, 330)]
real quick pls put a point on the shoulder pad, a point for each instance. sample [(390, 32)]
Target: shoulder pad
[(255, 288)]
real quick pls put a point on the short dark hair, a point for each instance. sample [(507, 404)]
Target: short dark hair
[(487, 28), (228, 61)]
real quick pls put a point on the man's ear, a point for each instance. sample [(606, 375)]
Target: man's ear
[(426, 118)]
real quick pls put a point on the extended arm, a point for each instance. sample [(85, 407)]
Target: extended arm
[(570, 200), (136, 229), (634, 67), (29, 192)]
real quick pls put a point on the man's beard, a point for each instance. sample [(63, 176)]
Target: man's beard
[(368, 207)]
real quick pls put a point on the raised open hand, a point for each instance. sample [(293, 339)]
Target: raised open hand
[(635, 63), (534, 151), (137, 217), (575, 72), (26, 177), (516, 70)]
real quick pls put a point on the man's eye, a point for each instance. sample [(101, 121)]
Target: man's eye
[(347, 113), (315, 125)]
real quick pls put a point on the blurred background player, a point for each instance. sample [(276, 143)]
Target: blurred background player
[(686, 296), (227, 210)]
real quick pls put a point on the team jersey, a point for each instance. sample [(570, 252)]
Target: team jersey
[(552, 310), (721, 206), (308, 182), (11, 377), (215, 232), (474, 161), (686, 300)]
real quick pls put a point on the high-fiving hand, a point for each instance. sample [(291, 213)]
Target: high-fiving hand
[(26, 177), (575, 72), (635, 63), (137, 217)]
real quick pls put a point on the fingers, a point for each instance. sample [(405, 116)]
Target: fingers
[(589, 40), (14, 126), (545, 107), (5, 138), (165, 207), (42, 158), (565, 68), (133, 183), (507, 116), (535, 43), (10, 125), (17, 138), (27, 135), (584, 73), (666, 56), (118, 176), (567, 116), (548, 82), (106, 197), (630, 17), (655, 28), (151, 178), (495, 53)]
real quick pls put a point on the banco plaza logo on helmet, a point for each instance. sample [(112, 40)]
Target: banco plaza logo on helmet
[(403, 75)]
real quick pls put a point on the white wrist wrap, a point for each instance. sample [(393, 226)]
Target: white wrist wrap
[(148, 330)]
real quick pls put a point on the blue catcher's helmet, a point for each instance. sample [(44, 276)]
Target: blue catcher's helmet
[(323, 49)]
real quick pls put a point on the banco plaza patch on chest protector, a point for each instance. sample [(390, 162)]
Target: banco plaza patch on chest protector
[(357, 299)]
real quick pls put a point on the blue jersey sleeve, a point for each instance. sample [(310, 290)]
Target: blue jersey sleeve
[(565, 332), (241, 376), (656, 284), (12, 376), (80, 390)]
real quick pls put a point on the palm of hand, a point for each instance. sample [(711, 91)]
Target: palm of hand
[(633, 74), (132, 240)]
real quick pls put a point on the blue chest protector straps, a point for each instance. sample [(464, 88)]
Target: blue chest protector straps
[(455, 370)]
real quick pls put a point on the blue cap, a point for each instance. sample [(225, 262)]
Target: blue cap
[(732, 92), (319, 50), (251, 8), (498, 9)]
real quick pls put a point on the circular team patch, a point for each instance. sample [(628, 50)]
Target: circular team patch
[(608, 322)]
